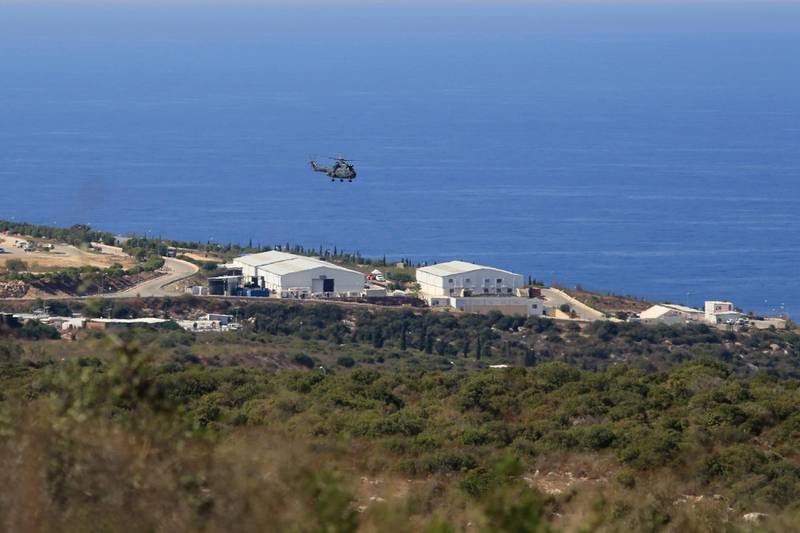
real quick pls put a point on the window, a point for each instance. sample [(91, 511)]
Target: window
[(499, 281), (450, 281), (451, 291), (485, 291), (508, 290), (467, 280)]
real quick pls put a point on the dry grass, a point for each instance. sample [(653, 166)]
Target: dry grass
[(609, 303), (64, 256), (202, 257)]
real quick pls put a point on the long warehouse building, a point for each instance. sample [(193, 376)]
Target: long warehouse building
[(459, 278), (288, 275), (478, 289)]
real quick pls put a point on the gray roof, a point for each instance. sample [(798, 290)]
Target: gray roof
[(282, 263), (458, 267)]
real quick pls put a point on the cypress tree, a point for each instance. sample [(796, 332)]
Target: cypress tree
[(428, 343), (377, 338), (441, 347), (530, 358), (486, 350)]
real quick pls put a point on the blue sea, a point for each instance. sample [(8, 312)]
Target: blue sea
[(644, 149)]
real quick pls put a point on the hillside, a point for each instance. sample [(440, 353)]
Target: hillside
[(319, 417)]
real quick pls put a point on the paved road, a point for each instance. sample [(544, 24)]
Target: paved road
[(176, 269), (556, 298)]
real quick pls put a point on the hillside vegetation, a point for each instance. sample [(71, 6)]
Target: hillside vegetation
[(323, 418)]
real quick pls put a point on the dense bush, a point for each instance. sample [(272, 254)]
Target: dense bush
[(478, 435)]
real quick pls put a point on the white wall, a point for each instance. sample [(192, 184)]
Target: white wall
[(344, 281), (476, 281), (247, 270), (507, 305)]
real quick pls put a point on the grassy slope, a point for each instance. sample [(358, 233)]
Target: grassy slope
[(184, 431)]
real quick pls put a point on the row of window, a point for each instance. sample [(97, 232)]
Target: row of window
[(485, 281), (486, 291)]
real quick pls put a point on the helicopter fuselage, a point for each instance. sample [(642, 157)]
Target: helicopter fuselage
[(341, 170)]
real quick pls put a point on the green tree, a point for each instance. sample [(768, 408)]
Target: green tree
[(428, 343), (16, 266)]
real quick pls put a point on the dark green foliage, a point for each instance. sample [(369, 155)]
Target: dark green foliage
[(15, 266), (31, 330), (10, 351), (346, 361), (76, 235), (482, 430), (58, 308), (303, 360)]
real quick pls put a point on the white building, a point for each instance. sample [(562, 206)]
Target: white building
[(671, 314), (288, 275), (508, 305), (476, 289), (459, 278), (717, 312)]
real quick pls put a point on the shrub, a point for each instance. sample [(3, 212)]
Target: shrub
[(10, 351), (446, 461), (303, 360), (15, 266), (346, 361)]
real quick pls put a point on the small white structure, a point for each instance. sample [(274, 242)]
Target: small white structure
[(717, 312), (459, 278), (197, 290), (223, 320), (508, 305), (374, 292), (113, 323), (671, 314), (288, 275), (73, 323), (766, 323)]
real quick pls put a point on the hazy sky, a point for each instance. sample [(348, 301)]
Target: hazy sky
[(354, 19)]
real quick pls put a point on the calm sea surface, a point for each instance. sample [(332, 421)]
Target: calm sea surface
[(652, 151)]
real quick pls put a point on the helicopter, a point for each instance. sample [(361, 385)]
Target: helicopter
[(341, 170)]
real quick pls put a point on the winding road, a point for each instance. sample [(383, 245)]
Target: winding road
[(556, 298), (176, 269)]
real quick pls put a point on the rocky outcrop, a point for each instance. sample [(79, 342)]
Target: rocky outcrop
[(13, 289)]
